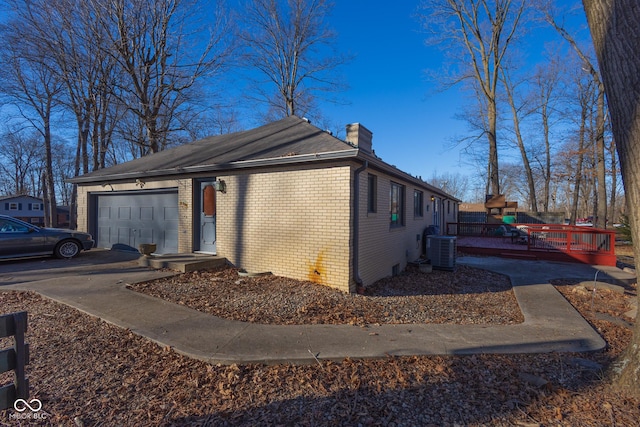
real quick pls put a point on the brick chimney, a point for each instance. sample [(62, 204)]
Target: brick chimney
[(360, 137)]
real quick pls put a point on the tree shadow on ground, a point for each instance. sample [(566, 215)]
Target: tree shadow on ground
[(460, 390)]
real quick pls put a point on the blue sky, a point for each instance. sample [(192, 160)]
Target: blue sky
[(389, 92), (413, 124)]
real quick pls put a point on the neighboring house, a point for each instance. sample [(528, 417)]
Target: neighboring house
[(63, 216), (31, 210), (287, 197), (26, 208)]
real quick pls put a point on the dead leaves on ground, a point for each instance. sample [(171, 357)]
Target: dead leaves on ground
[(465, 296), (88, 372)]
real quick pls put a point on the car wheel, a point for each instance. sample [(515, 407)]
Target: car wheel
[(67, 249)]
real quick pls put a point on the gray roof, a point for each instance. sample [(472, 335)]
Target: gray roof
[(288, 140), (20, 196)]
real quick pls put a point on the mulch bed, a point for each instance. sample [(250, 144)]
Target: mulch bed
[(466, 296)]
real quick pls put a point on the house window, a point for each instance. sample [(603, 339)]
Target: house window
[(35, 206), (397, 205), (372, 192), (13, 206), (418, 204)]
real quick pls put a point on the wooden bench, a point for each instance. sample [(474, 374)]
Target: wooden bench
[(14, 359)]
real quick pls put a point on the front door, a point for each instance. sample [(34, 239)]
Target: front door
[(207, 217)]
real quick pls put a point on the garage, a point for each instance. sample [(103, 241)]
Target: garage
[(132, 218)]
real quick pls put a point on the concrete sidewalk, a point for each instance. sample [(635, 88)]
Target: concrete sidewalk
[(551, 323)]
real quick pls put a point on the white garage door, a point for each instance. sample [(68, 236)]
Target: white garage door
[(138, 217)]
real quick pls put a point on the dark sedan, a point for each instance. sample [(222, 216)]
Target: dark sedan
[(21, 239)]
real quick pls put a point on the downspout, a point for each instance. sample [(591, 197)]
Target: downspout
[(356, 224)]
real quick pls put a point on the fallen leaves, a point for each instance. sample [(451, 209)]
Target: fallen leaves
[(88, 372), (466, 296)]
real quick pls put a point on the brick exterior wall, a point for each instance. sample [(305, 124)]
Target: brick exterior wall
[(382, 246), (296, 222), (293, 223), (185, 215)]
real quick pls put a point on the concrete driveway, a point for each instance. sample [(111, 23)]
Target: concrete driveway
[(95, 262)]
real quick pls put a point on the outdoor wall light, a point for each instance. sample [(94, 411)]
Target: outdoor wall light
[(220, 186), (433, 198), (140, 183)]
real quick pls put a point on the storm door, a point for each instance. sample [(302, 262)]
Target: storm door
[(207, 217)]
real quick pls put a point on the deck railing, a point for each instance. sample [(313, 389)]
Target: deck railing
[(585, 244)]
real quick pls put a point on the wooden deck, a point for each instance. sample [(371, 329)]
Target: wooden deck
[(547, 242)]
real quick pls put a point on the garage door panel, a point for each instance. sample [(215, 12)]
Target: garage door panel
[(124, 212), (124, 236), (170, 213), (146, 236), (171, 238), (104, 235), (104, 212), (135, 218), (146, 213)]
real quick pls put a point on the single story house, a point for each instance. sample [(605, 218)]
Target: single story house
[(287, 198)]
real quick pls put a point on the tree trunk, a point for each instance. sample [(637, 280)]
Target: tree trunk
[(578, 175), (533, 202), (614, 183), (615, 30), (600, 220), (50, 187), (547, 151), (494, 177)]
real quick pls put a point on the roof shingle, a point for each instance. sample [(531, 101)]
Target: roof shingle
[(284, 138)]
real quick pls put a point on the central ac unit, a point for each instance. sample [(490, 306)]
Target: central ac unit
[(441, 250)]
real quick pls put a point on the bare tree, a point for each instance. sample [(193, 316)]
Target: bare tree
[(585, 97), (518, 112), (480, 32), (69, 32), (19, 155), (547, 81), (613, 196), (29, 81), (64, 165), (453, 183), (163, 50), (601, 189), (291, 46), (615, 28)]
